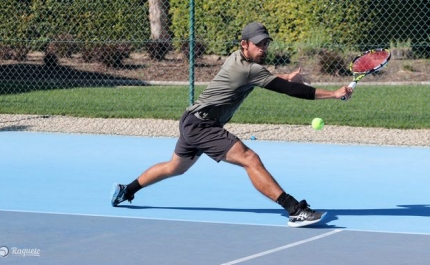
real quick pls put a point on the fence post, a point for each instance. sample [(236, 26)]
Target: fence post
[(191, 78)]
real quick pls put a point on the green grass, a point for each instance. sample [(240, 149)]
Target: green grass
[(405, 107)]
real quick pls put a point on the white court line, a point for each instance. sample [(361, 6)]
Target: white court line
[(283, 247), (196, 221), (139, 217)]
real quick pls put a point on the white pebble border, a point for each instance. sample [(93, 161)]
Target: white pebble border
[(169, 128)]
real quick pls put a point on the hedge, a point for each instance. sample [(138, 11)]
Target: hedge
[(353, 24), (319, 23), (38, 21)]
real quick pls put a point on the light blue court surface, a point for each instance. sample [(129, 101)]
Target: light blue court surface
[(55, 196)]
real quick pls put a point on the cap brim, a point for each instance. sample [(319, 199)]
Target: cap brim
[(257, 39)]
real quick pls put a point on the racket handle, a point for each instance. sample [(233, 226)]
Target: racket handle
[(351, 85)]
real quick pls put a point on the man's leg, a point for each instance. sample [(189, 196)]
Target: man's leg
[(299, 212), (175, 166), (262, 180)]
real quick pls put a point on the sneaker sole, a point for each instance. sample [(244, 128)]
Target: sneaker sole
[(114, 194), (306, 223)]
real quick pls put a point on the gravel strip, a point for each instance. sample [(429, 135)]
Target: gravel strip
[(169, 128)]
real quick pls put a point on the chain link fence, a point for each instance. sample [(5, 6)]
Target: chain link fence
[(63, 44)]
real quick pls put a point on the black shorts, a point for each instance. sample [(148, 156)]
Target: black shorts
[(199, 136)]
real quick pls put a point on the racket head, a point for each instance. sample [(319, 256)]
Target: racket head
[(370, 61)]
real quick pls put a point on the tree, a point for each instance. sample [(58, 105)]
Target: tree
[(159, 20), (160, 43)]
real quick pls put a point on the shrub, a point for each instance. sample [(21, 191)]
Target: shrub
[(157, 50), (6, 52), (20, 53), (199, 49), (278, 54), (331, 62), (50, 60), (62, 45), (110, 55)]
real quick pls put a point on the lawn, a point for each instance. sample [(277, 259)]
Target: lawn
[(404, 107)]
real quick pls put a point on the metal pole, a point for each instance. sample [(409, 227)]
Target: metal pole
[(192, 40)]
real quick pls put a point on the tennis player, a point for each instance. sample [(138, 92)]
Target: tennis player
[(201, 126)]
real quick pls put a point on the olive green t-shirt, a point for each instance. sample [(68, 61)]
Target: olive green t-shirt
[(233, 83)]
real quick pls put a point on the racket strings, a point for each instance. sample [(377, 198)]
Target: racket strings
[(370, 61)]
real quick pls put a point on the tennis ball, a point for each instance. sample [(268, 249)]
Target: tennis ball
[(317, 124)]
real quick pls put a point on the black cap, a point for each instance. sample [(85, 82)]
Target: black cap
[(255, 32)]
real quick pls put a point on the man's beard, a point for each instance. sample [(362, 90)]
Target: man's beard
[(261, 58)]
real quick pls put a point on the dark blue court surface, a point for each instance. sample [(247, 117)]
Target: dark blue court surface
[(55, 204)]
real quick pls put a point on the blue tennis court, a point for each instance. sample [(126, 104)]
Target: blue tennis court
[(55, 204)]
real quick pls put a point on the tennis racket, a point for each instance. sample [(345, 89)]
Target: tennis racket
[(367, 63)]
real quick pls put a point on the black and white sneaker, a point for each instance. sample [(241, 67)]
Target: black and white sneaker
[(305, 216), (119, 194)]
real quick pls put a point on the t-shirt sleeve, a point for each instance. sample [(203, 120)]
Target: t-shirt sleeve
[(260, 76)]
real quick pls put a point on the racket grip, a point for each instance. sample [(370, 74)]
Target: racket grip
[(351, 85)]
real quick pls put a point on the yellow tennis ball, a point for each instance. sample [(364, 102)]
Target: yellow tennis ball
[(317, 124)]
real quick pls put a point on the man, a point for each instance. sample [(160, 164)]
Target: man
[(201, 126)]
